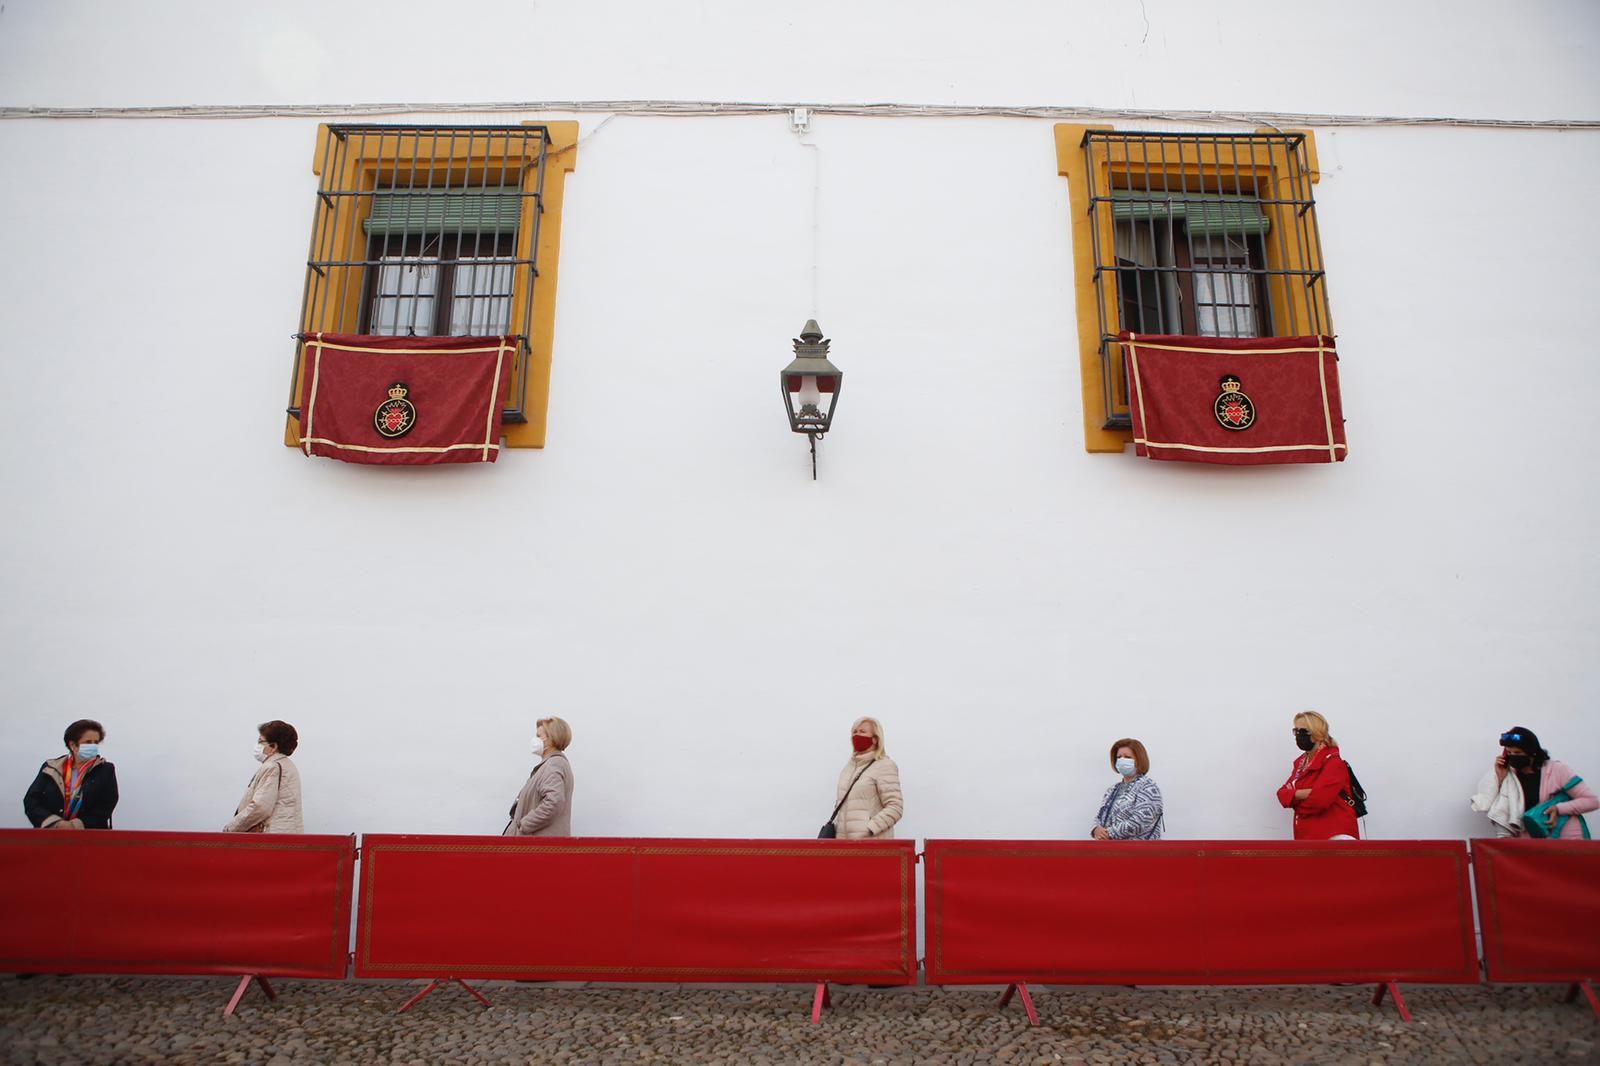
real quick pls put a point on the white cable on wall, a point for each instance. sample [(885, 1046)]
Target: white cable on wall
[(701, 109), (802, 132)]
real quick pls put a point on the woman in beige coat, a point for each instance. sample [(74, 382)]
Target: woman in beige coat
[(544, 806), (869, 786), (271, 802)]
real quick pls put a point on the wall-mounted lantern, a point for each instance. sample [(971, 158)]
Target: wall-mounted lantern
[(810, 386)]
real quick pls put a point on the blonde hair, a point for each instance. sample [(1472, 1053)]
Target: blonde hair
[(1141, 758), (880, 749), (556, 731), (1319, 728)]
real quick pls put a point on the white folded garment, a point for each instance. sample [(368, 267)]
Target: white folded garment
[(1501, 801)]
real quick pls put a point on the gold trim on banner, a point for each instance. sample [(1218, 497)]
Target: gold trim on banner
[(1327, 412), (368, 448), (320, 343), (1271, 448), (1159, 347)]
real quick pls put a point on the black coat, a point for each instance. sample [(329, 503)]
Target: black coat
[(44, 799)]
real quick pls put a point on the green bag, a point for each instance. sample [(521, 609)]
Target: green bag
[(1533, 817)]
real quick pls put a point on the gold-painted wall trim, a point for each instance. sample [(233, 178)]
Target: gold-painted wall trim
[(1072, 162), (561, 161)]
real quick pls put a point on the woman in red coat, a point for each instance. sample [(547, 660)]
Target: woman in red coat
[(1319, 788)]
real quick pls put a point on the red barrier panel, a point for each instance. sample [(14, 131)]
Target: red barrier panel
[(1190, 912), (1539, 906), (175, 903), (612, 909)]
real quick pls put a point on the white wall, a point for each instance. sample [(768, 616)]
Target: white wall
[(664, 574)]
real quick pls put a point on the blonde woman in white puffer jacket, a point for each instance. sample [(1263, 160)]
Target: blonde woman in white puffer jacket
[(872, 781)]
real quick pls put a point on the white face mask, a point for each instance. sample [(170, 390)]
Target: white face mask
[(1125, 767), (261, 753), (538, 748)]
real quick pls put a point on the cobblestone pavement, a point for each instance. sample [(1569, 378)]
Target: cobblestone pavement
[(76, 1020)]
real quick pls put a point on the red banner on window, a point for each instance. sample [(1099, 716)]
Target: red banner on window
[(403, 400), (1235, 401), (610, 909), (1195, 912), (1539, 903), (130, 902)]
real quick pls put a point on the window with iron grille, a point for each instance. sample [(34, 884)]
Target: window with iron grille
[(432, 231), (1211, 235)]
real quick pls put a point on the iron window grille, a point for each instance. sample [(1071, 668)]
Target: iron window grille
[(1211, 235), (427, 231)]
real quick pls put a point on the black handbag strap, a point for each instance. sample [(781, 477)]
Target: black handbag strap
[(840, 805)]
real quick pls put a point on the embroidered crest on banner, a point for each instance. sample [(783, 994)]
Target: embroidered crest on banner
[(395, 416), (1233, 408)]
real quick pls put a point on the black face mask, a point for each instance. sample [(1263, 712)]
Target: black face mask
[(1303, 741), (1519, 762)]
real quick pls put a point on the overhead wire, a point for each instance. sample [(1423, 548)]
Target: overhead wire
[(705, 109)]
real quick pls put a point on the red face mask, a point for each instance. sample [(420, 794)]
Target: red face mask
[(861, 743)]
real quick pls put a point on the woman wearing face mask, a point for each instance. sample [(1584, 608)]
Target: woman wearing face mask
[(77, 790), (868, 795), (544, 806), (271, 802), (1131, 809), (1318, 789), (1525, 776)]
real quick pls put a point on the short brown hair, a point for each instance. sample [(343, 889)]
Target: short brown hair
[(556, 731), (1141, 758), (280, 733), (77, 729)]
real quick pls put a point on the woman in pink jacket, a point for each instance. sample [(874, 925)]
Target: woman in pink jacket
[(1542, 777)]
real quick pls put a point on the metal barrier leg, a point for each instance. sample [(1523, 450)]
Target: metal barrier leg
[(1393, 988), (1021, 988), (822, 999), (1587, 988), (420, 996), (244, 985), (435, 983), (479, 996)]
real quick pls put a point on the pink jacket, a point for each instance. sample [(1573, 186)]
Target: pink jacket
[(1583, 800)]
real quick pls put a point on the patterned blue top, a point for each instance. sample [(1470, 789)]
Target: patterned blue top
[(1132, 810)]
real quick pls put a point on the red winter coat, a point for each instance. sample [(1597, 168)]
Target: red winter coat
[(1326, 813)]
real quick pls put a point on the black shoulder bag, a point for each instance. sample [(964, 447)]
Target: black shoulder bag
[(829, 830)]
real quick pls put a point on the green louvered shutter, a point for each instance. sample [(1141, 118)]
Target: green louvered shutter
[(495, 209), (1214, 216)]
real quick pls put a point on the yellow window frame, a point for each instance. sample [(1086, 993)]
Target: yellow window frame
[(1272, 169), (403, 154)]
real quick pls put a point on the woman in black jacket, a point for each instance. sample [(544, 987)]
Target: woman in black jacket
[(77, 790)]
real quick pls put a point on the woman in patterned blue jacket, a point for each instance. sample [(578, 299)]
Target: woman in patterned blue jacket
[(1132, 807)]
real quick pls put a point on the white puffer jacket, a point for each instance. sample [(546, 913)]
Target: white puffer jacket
[(271, 803), (874, 805)]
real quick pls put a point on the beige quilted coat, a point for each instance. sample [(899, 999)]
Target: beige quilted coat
[(874, 805), (271, 803)]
